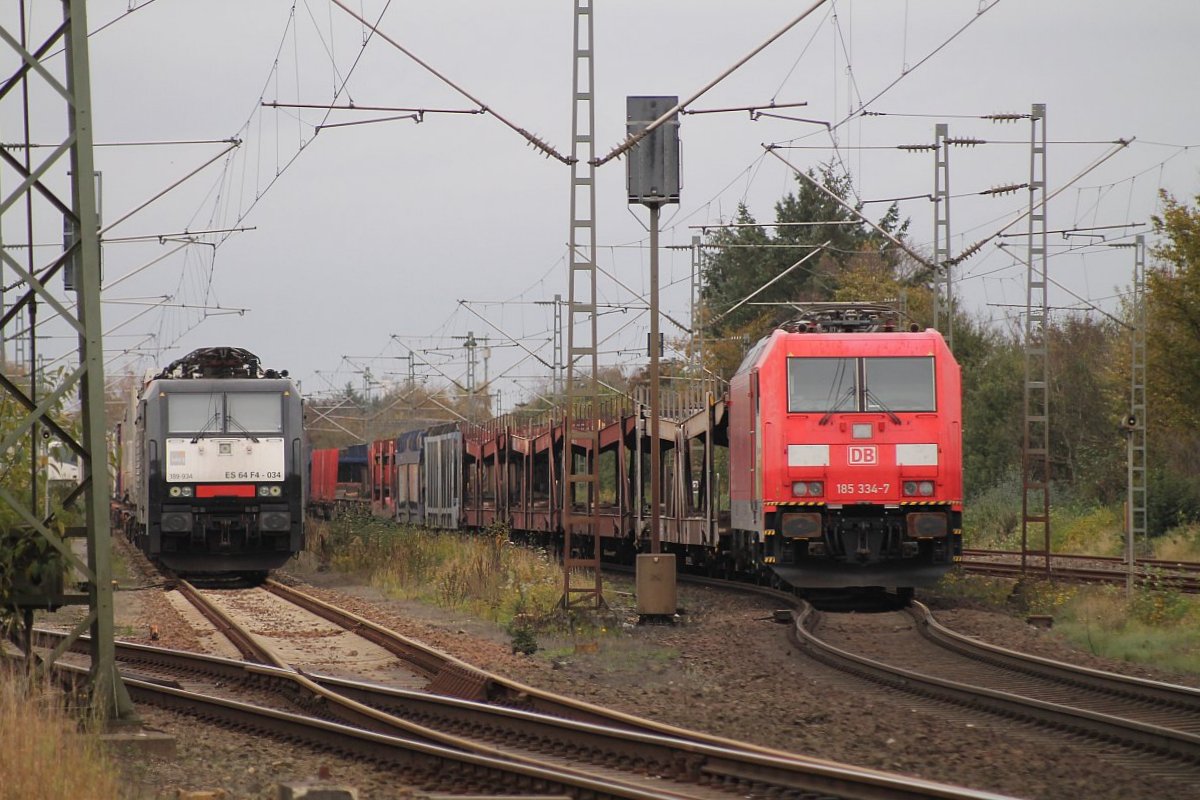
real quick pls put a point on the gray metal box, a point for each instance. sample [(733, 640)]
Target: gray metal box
[(652, 165)]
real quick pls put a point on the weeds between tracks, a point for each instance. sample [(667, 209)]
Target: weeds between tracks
[(481, 573)]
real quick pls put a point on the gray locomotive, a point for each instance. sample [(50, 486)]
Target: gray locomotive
[(211, 476)]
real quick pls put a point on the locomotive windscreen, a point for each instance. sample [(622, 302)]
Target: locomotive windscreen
[(260, 412), (900, 384), (192, 413), (218, 412), (822, 384), (888, 384)]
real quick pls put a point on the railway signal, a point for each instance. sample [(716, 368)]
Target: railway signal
[(652, 180)]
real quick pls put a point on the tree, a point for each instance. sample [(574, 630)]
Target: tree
[(1088, 395), (992, 374), (741, 260), (1173, 294), (1173, 367)]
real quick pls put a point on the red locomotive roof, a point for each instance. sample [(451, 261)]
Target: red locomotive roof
[(892, 343)]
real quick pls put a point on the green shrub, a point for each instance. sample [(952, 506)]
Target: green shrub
[(1097, 531), (992, 519), (1172, 500), (524, 640), (1158, 601), (31, 568)]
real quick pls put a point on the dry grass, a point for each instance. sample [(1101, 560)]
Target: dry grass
[(42, 752), (482, 573), (1155, 625), (1180, 544)]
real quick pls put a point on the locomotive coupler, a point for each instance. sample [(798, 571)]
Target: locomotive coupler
[(864, 550)]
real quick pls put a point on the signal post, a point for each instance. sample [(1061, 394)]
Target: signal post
[(652, 180)]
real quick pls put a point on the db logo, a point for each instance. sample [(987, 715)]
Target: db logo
[(862, 455)]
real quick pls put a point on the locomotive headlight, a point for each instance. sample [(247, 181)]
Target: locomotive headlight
[(799, 489), (910, 488), (175, 491), (263, 491), (186, 491), (816, 488), (276, 491), (926, 488)]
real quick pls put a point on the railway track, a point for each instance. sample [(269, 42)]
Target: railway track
[(1151, 726), (553, 751), (1182, 576)]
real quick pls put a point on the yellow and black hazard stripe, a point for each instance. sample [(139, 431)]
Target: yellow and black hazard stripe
[(927, 502), (782, 503)]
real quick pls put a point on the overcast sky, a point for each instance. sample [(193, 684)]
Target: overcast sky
[(364, 238)]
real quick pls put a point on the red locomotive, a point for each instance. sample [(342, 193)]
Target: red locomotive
[(845, 449)]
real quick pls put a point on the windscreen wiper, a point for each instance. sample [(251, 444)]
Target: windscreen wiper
[(215, 417), (829, 414), (891, 414), (243, 429)]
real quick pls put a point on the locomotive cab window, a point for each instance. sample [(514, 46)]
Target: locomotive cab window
[(193, 412), (899, 384), (217, 413), (822, 384), (259, 412), (858, 385)]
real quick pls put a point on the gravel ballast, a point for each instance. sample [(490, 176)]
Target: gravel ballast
[(727, 668)]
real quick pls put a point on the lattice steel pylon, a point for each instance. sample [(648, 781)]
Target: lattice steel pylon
[(61, 188), (943, 307), (1035, 451), (558, 345), (1137, 420), (581, 515)]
